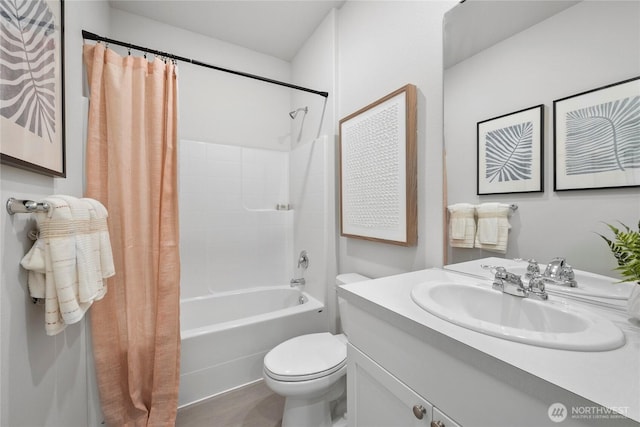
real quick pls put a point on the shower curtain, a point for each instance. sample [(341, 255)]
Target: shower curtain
[(131, 168)]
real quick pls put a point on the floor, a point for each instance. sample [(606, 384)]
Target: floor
[(254, 405)]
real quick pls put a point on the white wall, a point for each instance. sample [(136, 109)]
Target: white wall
[(313, 189), (314, 66), (587, 46), (382, 46), (44, 380), (215, 106)]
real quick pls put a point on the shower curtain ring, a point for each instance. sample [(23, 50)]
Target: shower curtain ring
[(129, 51)]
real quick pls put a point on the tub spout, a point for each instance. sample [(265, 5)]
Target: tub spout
[(297, 282)]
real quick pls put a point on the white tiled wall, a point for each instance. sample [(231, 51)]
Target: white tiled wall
[(231, 235), (265, 178)]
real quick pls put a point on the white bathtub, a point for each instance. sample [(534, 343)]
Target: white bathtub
[(225, 336)]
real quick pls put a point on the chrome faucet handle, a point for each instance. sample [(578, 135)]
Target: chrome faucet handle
[(533, 269), (567, 272), (536, 288), (303, 260), (568, 276)]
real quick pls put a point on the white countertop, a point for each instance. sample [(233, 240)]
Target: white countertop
[(608, 378)]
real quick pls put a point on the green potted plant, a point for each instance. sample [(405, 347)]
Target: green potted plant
[(625, 247)]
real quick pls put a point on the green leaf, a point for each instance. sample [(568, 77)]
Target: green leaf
[(625, 248)]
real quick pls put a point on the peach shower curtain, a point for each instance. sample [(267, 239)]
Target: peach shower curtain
[(131, 168)]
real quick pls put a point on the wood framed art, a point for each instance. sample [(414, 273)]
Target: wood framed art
[(378, 170), (510, 152), (597, 138), (32, 85)]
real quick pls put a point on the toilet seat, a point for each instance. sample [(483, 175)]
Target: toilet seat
[(306, 357)]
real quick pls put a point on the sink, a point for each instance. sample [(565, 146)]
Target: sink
[(541, 323)]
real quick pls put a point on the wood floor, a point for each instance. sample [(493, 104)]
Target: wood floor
[(254, 405)]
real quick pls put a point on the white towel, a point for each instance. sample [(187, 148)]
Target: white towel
[(34, 262), (493, 227), (462, 225), (99, 228), (72, 269)]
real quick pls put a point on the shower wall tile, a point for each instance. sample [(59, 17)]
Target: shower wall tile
[(231, 236)]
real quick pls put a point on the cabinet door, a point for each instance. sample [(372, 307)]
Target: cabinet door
[(375, 398), (441, 420)]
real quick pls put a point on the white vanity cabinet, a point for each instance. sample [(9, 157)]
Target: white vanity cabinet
[(400, 357), (378, 399)]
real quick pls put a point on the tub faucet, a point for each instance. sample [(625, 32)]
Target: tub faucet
[(297, 282)]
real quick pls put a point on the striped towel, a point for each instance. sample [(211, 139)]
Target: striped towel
[(69, 248), (493, 227)]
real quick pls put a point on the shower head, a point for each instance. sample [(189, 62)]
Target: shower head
[(294, 113)]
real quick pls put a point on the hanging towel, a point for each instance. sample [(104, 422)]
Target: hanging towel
[(462, 225), (493, 227), (100, 233), (34, 262), (66, 248)]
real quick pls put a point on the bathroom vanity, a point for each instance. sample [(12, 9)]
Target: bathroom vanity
[(408, 367)]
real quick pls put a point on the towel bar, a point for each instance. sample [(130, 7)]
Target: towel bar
[(15, 206)]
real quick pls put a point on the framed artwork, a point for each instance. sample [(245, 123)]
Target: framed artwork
[(597, 138), (511, 152), (378, 170), (32, 85)]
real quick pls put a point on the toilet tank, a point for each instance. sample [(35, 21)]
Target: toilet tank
[(345, 279)]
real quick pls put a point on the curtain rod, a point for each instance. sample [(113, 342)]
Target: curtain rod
[(91, 36)]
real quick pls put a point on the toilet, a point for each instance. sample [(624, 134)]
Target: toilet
[(309, 371)]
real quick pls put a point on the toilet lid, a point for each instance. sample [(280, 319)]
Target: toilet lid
[(306, 357)]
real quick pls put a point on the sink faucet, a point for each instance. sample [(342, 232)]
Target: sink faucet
[(558, 272), (512, 284), (303, 262)]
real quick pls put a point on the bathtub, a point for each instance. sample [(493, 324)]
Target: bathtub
[(225, 336)]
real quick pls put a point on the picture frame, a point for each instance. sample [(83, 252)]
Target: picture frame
[(597, 138), (510, 153), (378, 170), (32, 116)]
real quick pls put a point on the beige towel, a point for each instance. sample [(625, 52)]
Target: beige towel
[(462, 225), (64, 267), (493, 227)]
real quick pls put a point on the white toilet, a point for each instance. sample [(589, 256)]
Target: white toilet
[(310, 372)]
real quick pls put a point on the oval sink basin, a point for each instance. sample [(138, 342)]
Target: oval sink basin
[(541, 323)]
